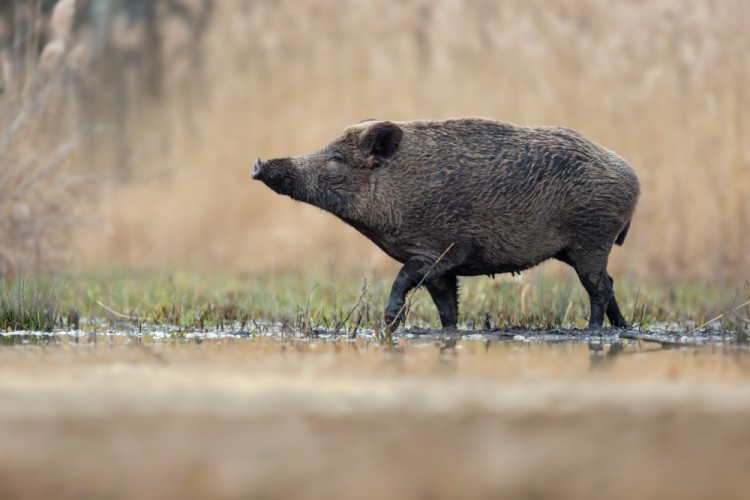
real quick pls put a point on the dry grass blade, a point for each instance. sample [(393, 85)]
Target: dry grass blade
[(351, 310), (307, 327)]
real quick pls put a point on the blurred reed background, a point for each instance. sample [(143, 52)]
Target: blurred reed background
[(164, 105)]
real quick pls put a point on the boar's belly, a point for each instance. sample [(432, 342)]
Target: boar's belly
[(485, 261), (480, 269)]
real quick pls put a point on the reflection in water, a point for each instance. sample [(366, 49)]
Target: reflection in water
[(602, 355), (450, 356), (393, 360)]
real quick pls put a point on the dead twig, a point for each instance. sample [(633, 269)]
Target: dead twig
[(669, 344), (115, 313)]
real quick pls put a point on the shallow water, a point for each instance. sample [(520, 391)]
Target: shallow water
[(507, 355)]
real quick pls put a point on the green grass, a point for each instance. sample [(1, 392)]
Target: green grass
[(539, 299), (29, 303), (194, 301)]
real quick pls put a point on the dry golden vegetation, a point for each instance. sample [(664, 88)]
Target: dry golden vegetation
[(191, 99), (663, 83), (42, 186)]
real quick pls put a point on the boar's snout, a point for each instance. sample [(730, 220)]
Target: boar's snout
[(268, 171), (277, 174), (258, 169)]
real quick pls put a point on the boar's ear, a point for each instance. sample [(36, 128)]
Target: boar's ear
[(381, 140)]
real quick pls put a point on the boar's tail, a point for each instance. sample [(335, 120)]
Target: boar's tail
[(621, 237)]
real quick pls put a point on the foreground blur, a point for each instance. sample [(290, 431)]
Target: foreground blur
[(257, 418)]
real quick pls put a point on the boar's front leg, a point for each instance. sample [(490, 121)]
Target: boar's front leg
[(444, 293), (408, 278)]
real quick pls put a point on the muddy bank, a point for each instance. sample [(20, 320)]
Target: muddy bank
[(666, 335)]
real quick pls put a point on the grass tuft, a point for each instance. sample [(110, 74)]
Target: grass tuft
[(29, 303)]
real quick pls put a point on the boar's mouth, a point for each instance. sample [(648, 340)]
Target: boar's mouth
[(282, 184)]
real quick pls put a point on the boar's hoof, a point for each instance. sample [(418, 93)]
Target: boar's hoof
[(391, 321)]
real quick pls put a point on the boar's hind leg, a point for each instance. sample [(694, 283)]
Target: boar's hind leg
[(444, 293), (408, 278), (591, 268), (613, 310)]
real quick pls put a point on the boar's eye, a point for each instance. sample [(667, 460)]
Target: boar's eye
[(338, 158)]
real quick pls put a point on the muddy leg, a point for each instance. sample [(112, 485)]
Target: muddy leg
[(613, 310), (444, 293), (592, 271), (408, 277)]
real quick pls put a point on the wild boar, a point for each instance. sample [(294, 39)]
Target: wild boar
[(502, 197)]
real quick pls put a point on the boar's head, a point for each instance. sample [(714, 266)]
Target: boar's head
[(338, 177)]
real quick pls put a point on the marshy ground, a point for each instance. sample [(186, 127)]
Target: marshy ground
[(173, 386)]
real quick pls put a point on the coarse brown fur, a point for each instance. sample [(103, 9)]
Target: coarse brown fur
[(507, 197)]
